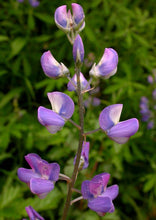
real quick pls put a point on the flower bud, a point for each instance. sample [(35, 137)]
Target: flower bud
[(51, 67), (78, 50), (72, 85), (66, 22), (107, 65)]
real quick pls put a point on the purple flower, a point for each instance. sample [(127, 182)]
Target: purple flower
[(154, 94), (150, 79), (107, 66), (150, 125), (51, 67), (120, 132), (67, 22), (34, 3), (78, 50), (33, 214), (72, 86), (84, 156), (92, 101), (62, 110), (97, 193), (41, 177), (144, 109)]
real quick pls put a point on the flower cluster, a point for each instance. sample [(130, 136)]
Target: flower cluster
[(42, 176), (33, 3), (148, 103)]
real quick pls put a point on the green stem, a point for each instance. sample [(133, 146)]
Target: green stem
[(81, 138)]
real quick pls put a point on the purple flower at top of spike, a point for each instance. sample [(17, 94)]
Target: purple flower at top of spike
[(41, 177), (51, 67), (68, 22), (144, 109), (84, 161), (78, 50), (62, 110), (107, 66), (120, 132), (72, 86), (33, 214), (97, 193)]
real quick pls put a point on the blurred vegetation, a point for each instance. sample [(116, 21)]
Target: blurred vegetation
[(25, 33)]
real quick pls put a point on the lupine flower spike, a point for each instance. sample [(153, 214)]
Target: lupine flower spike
[(70, 24), (107, 66), (33, 215), (62, 110), (51, 67), (42, 175), (84, 161), (120, 132), (72, 86), (97, 193)]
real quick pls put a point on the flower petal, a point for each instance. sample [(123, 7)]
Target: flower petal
[(26, 174), (91, 189), (33, 214), (121, 132), (41, 187), (61, 17), (33, 160), (107, 65), (110, 116), (50, 66), (111, 191), (50, 119), (49, 171), (61, 104), (101, 204), (103, 178), (78, 13)]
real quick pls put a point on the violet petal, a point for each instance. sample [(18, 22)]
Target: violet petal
[(100, 204), (41, 187), (110, 116), (26, 174), (61, 104)]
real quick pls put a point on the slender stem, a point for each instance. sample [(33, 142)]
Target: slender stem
[(76, 200), (91, 132), (76, 190), (76, 125), (81, 118), (64, 177)]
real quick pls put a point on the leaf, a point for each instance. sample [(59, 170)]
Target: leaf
[(16, 46), (45, 17), (7, 98)]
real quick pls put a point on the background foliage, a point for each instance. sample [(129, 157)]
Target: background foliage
[(25, 33)]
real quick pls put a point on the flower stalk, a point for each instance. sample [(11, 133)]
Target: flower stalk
[(81, 138)]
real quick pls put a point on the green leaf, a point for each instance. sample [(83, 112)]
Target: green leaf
[(16, 46), (3, 38), (45, 17)]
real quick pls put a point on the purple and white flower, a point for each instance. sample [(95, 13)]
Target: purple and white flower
[(97, 193), (107, 66), (68, 22), (42, 175), (84, 160), (78, 50), (120, 132), (51, 67), (62, 110), (72, 85), (33, 214)]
